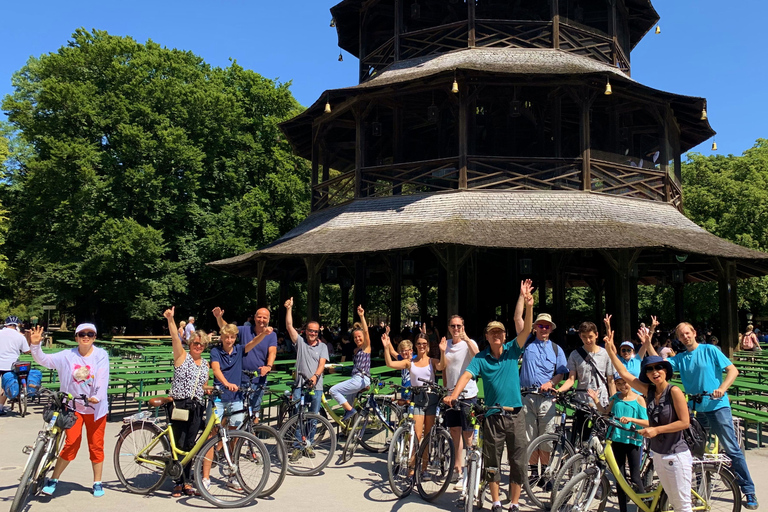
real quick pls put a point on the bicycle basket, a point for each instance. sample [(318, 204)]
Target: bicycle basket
[(66, 417)]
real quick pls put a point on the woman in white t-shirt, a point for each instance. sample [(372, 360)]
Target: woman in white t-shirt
[(455, 355)]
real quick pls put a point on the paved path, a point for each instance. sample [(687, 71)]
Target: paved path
[(358, 485)]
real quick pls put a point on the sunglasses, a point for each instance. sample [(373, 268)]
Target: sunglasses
[(457, 326), (627, 350), (312, 331), (543, 327), (87, 334), (197, 344), (655, 368), (422, 344)]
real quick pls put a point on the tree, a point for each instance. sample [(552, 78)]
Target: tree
[(147, 163)]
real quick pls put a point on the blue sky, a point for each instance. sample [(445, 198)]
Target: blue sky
[(706, 48)]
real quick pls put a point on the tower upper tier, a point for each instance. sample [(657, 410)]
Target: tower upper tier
[(381, 32)]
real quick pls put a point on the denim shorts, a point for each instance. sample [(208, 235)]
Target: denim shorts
[(227, 407), (424, 404)]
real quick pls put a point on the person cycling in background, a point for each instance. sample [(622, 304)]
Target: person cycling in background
[(12, 343)]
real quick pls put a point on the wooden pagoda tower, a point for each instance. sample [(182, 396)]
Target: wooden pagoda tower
[(492, 140)]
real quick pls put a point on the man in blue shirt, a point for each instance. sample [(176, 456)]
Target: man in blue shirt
[(504, 425), (701, 369), (261, 358)]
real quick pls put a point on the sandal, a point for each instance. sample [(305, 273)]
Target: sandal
[(191, 491), (177, 490)]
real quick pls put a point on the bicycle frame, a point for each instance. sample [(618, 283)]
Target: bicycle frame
[(213, 421), (639, 499)]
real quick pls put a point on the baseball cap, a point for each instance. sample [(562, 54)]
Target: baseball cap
[(495, 324)]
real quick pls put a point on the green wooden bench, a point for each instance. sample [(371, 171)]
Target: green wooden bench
[(750, 415)]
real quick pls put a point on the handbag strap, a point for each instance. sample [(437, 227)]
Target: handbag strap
[(588, 359)]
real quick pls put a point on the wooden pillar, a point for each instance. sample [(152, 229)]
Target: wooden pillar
[(729, 321), (315, 165), (555, 11), (285, 294), (359, 153), (598, 286), (326, 169), (424, 301), (452, 281), (261, 285), (442, 309), (313, 287), (463, 135), (471, 40), (557, 124), (585, 107), (679, 302), (472, 310), (620, 265), (664, 155), (398, 27), (360, 292), (396, 291), (397, 142), (558, 297), (344, 324)]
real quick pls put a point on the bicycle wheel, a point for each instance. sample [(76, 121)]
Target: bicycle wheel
[(308, 454), (378, 434), (27, 486), (238, 484), (354, 436), (140, 457), (278, 457), (434, 464), (538, 486), (473, 485), (23, 401), (576, 493), (570, 468), (713, 488), (400, 467)]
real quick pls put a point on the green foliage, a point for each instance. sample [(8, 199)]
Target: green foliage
[(147, 163)]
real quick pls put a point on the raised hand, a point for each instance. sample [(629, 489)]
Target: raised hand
[(289, 303), (526, 287), (644, 335), (168, 313), (385, 340), (654, 324), (443, 344), (593, 395), (528, 300), (218, 312), (386, 329), (35, 335), (423, 328), (360, 311)]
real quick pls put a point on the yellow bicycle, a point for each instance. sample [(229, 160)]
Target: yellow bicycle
[(146, 454)]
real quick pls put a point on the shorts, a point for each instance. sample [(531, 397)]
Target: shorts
[(424, 404), (500, 430), (541, 417), (460, 418), (223, 408)]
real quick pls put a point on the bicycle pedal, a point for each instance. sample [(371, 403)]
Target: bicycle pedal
[(26, 450)]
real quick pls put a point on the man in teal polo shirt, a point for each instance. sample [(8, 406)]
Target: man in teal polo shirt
[(497, 366)]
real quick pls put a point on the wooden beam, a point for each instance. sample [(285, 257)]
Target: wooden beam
[(463, 135), (729, 322), (261, 284), (398, 27), (360, 287), (471, 34), (554, 8)]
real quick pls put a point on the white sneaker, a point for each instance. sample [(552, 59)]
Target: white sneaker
[(207, 484)]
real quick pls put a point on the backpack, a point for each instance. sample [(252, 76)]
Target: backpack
[(696, 438), (748, 342)]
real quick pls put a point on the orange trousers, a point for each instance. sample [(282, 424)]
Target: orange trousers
[(94, 430)]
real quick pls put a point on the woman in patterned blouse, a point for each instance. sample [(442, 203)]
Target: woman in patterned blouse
[(345, 391)]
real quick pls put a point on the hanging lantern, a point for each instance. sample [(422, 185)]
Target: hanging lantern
[(704, 114), (327, 107), (714, 145), (658, 29), (341, 59), (608, 90), (455, 87), (333, 22)]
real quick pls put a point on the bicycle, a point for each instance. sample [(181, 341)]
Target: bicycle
[(714, 486), (401, 461), (146, 454), (21, 371), (476, 483), (310, 435), (436, 455), (374, 424), (557, 446), (269, 436), (58, 416)]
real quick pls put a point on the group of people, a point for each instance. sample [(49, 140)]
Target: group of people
[(635, 388)]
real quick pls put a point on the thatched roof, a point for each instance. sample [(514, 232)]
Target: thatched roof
[(557, 220), (347, 15), (525, 63)]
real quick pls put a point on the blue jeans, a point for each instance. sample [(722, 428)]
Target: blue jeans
[(720, 423), (345, 391), (257, 395), (315, 402)]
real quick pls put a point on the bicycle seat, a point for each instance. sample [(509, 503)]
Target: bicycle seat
[(157, 402)]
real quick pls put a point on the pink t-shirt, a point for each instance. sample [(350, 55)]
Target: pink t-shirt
[(80, 375)]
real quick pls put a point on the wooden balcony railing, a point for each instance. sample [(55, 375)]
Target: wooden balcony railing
[(497, 173), (434, 40), (513, 34)]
